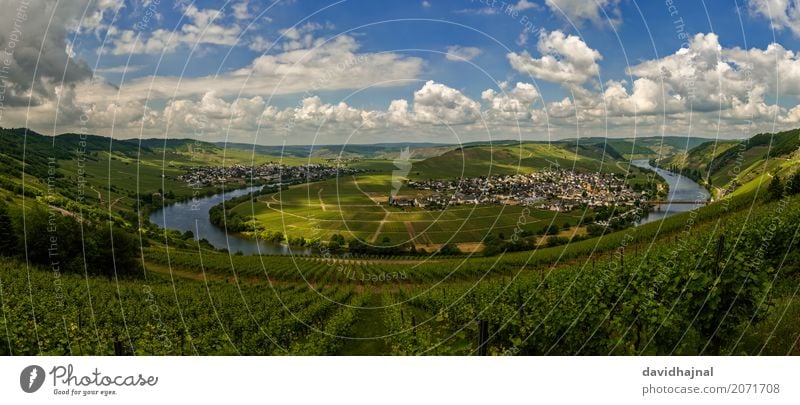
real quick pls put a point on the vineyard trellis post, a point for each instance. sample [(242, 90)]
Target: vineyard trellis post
[(483, 337)]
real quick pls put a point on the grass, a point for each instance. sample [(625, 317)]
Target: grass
[(356, 207)]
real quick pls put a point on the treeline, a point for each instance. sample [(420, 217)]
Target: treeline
[(59, 242)]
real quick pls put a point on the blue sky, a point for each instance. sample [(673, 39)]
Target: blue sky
[(375, 71)]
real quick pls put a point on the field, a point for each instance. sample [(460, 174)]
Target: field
[(357, 207), (277, 305)]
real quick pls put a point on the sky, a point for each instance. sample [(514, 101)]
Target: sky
[(368, 71)]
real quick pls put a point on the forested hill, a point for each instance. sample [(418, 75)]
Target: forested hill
[(728, 167)]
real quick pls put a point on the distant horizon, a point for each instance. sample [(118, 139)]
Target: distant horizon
[(506, 140)]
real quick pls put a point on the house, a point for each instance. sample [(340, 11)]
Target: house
[(402, 202)]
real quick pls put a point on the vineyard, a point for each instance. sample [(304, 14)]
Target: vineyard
[(721, 280)]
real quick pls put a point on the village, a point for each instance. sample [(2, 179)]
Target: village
[(268, 172), (560, 190)]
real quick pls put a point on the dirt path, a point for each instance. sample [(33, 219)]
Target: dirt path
[(410, 229), (113, 203), (99, 196), (321, 203), (355, 182), (380, 227), (385, 216), (62, 211)]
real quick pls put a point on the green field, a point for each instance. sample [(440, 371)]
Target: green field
[(356, 207)]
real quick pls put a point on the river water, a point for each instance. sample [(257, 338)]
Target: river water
[(193, 216), (681, 188)]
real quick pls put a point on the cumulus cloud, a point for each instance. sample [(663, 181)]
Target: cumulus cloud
[(436, 103), (782, 14), (40, 66), (705, 77), (566, 59), (328, 65), (578, 11), (515, 104), (462, 53)]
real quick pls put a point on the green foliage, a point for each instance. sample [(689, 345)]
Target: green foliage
[(449, 249), (775, 189), (52, 239), (793, 186), (8, 235)]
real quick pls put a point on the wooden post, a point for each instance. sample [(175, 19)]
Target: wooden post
[(119, 348), (483, 337)]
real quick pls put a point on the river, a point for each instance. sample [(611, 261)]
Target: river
[(193, 216), (681, 188)]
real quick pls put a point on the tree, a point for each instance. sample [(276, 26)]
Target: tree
[(110, 251), (338, 238), (794, 183), (595, 230), (8, 237), (449, 249), (775, 189)]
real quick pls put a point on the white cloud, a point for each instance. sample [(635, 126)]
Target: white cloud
[(259, 44), (566, 59), (477, 11), (578, 11), (705, 77), (515, 104), (462, 53), (523, 5), (333, 65), (426, 4), (780, 13), (436, 103), (240, 11), (398, 113), (120, 69), (203, 26), (792, 117)]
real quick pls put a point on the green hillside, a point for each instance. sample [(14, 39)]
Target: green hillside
[(488, 160), (727, 166)]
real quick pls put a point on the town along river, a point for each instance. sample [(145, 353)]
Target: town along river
[(682, 197), (193, 216)]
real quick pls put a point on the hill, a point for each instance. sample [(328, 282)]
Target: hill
[(728, 166), (510, 158)]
